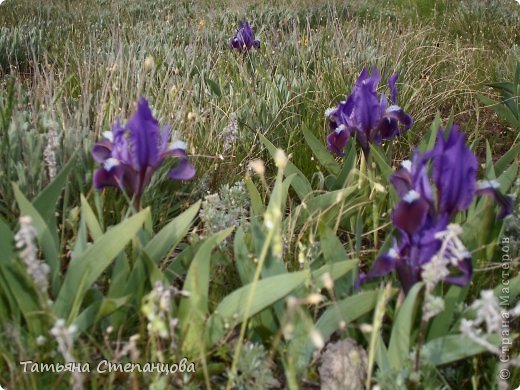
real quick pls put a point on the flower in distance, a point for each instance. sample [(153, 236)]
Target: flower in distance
[(366, 116), (131, 154), (244, 38), (433, 188)]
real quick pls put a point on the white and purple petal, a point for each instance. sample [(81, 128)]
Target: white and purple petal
[(337, 140), (102, 150), (104, 178), (492, 188), (402, 181), (411, 212), (130, 155)]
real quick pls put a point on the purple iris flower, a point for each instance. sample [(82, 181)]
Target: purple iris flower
[(366, 116), (434, 187), (244, 39), (131, 154)]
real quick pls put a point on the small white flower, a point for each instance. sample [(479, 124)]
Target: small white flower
[(314, 299), (434, 271), (488, 311), (280, 159), (379, 187), (452, 252), (316, 339), (327, 280), (149, 63), (453, 249), (49, 153), (41, 340), (230, 134), (433, 306), (63, 336), (258, 167), (37, 270)]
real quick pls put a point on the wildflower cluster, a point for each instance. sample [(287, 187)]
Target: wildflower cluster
[(229, 134), (49, 153), (450, 254), (434, 187), (489, 320), (244, 39), (37, 270), (64, 336), (365, 116), (157, 307), (131, 154), (228, 208)]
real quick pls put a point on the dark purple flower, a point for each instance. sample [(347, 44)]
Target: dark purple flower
[(449, 171), (131, 154), (366, 115), (454, 172), (337, 140), (244, 38)]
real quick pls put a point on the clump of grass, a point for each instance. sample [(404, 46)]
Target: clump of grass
[(19, 46)]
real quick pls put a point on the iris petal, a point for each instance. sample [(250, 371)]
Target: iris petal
[(244, 38), (424, 225), (402, 181), (383, 265), (136, 152), (410, 215), (504, 201), (104, 178), (145, 137), (455, 181), (393, 88), (337, 140), (368, 116), (184, 171), (466, 269), (408, 275), (102, 150)]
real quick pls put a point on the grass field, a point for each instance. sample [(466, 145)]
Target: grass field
[(248, 270)]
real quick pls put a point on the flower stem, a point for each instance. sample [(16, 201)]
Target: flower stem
[(420, 341), (249, 302)]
